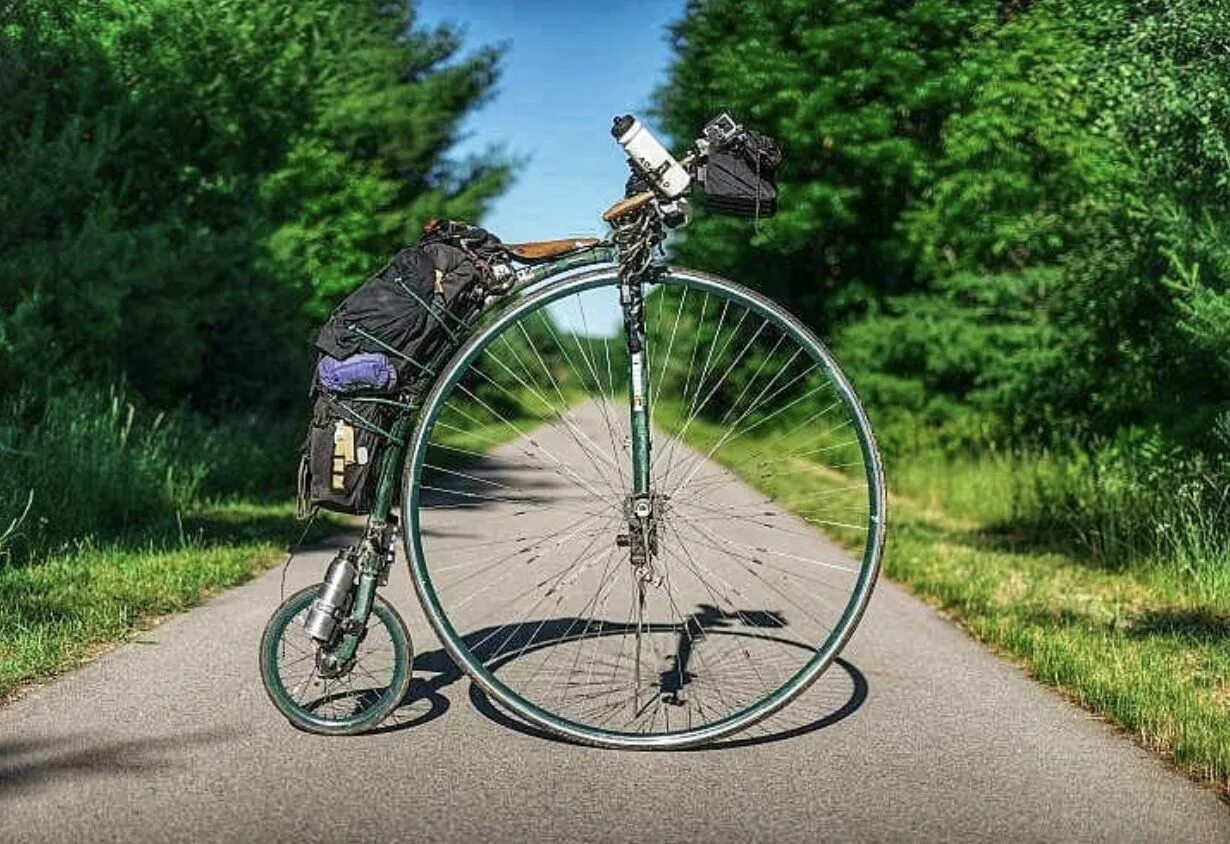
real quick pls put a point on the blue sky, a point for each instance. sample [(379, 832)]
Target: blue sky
[(569, 68)]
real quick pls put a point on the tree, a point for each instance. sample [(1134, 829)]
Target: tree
[(1014, 209), (857, 93), (185, 187)]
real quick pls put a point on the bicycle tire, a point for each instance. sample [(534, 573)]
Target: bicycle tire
[(309, 715), (461, 637)]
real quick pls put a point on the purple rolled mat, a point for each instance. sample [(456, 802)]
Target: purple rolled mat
[(362, 371)]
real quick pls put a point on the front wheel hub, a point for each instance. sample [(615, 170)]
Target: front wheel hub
[(329, 667), (642, 513)]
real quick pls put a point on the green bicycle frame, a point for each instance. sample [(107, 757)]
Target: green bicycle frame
[(371, 566), (640, 424), (631, 295)]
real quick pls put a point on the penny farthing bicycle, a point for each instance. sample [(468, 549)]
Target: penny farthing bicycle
[(642, 505)]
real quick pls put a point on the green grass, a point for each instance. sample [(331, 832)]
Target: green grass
[(66, 608), (136, 518), (1145, 644), (1113, 593), (111, 517), (92, 464)]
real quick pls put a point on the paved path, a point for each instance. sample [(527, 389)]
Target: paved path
[(917, 735)]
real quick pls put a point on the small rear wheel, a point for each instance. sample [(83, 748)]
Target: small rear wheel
[(334, 700)]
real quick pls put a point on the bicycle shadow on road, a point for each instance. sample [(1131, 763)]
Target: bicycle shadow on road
[(837, 694), (802, 716)]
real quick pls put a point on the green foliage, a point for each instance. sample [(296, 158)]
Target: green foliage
[(1021, 160), (89, 465), (945, 368), (857, 93), (370, 170), (1009, 216), (1197, 253), (185, 188), (1134, 327)]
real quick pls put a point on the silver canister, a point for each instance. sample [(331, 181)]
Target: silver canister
[(321, 619)]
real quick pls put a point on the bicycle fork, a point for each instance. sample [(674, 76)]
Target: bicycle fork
[(641, 507), (337, 619)]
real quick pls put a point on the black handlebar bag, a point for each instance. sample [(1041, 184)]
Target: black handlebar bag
[(740, 181)]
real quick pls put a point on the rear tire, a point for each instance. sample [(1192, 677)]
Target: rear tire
[(375, 684)]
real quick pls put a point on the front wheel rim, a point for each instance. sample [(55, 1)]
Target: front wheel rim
[(463, 637)]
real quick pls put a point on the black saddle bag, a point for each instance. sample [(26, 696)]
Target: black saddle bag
[(406, 309), (404, 312)]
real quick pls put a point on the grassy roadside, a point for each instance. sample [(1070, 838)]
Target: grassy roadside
[(112, 516), (173, 547), (62, 611), (1144, 643)]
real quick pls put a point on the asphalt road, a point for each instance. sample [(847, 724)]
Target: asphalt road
[(917, 734)]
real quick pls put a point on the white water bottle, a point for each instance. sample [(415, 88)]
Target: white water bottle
[(655, 163)]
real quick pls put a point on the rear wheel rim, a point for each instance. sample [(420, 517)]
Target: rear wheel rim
[(357, 700), (690, 688)]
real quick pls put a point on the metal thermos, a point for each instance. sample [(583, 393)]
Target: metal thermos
[(321, 620)]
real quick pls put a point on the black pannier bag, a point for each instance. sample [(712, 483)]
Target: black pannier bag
[(404, 311), (740, 180), (339, 467)]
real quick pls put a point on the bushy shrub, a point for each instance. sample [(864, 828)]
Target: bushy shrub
[(186, 188)]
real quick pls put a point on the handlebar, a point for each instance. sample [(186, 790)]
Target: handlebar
[(666, 178)]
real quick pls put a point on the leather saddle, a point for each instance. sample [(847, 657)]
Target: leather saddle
[(546, 250)]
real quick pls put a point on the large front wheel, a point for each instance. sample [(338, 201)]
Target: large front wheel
[(660, 620)]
